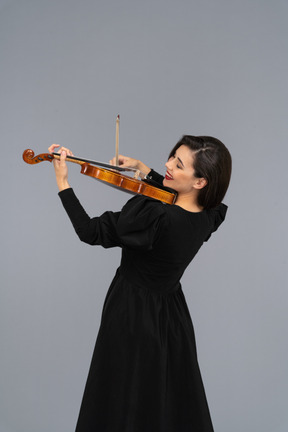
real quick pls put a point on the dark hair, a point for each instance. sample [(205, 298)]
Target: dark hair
[(213, 162)]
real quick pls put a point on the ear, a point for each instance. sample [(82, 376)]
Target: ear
[(200, 183)]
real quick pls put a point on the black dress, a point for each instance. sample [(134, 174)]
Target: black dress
[(144, 375)]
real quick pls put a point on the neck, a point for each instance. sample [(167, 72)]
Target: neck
[(188, 203)]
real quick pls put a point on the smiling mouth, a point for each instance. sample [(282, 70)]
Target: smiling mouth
[(168, 176)]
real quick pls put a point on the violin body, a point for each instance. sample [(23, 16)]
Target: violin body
[(109, 176)]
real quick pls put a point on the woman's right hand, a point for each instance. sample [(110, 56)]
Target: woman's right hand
[(128, 162), (60, 166)]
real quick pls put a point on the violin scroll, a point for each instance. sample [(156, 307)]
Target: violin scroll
[(30, 158)]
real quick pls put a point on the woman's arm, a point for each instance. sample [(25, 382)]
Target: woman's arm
[(128, 162)]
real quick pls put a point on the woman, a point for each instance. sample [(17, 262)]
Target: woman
[(144, 374)]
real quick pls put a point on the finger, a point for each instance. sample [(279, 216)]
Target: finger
[(121, 160), (113, 161), (67, 151), (52, 147), (63, 156)]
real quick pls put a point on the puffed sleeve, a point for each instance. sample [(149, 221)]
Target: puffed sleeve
[(136, 226), (216, 218), (140, 223)]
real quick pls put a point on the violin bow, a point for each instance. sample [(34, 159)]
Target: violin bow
[(117, 140), (136, 171)]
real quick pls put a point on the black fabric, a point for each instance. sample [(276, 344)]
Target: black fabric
[(158, 178), (144, 375)]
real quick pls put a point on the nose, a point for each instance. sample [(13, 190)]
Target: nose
[(168, 164)]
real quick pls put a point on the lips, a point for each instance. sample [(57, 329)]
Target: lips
[(168, 176)]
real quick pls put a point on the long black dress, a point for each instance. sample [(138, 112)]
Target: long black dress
[(144, 375)]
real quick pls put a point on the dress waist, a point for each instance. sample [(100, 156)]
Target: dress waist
[(144, 282)]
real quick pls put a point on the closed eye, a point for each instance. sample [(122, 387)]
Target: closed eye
[(181, 163)]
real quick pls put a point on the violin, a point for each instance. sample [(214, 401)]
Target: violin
[(110, 175)]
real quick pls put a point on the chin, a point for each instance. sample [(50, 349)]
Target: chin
[(166, 182)]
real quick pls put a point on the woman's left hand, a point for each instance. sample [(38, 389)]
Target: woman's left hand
[(60, 166)]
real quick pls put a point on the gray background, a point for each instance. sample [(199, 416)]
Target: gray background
[(168, 68)]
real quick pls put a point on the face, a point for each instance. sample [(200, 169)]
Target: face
[(180, 172)]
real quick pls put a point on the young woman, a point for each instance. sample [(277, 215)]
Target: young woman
[(144, 375)]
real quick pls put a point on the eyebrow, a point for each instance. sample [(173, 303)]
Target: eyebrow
[(180, 161)]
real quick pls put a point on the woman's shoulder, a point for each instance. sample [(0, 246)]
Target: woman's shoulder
[(206, 221), (140, 222), (144, 207), (141, 210), (218, 213), (216, 217)]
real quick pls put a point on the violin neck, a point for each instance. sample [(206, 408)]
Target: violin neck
[(69, 159), (81, 161)]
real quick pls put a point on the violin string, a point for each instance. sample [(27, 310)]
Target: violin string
[(93, 162)]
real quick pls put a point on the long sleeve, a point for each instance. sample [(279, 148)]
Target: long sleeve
[(158, 178), (99, 230), (135, 227)]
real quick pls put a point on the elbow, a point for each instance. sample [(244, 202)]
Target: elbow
[(85, 236)]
